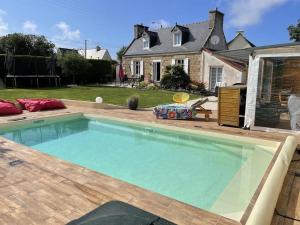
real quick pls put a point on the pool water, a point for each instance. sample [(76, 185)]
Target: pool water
[(190, 168)]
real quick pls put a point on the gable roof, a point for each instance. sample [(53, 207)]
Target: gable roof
[(198, 35), (94, 53), (240, 35), (181, 28)]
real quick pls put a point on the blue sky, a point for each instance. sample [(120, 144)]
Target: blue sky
[(109, 23)]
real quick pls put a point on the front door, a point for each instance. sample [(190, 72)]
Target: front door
[(156, 71)]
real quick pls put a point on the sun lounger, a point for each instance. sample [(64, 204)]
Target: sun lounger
[(183, 111), (117, 213)]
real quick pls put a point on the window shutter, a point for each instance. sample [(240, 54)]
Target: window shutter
[(141, 68), (173, 62), (131, 67), (186, 65)]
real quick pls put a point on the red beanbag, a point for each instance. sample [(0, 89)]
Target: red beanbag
[(33, 105), (8, 108), (52, 104)]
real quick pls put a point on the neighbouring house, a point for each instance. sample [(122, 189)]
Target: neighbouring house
[(95, 53), (63, 51), (191, 45), (273, 95), (239, 42)]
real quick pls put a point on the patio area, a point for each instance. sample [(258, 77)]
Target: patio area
[(46, 190)]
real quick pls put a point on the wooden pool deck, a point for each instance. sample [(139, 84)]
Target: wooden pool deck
[(45, 190)]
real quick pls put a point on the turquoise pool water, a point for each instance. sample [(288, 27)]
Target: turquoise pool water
[(184, 166)]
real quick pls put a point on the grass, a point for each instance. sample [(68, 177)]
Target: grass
[(112, 95)]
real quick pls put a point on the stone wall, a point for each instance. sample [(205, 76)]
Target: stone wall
[(194, 64)]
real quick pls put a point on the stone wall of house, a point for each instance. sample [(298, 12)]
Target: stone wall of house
[(194, 64)]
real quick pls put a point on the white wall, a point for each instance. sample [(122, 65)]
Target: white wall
[(231, 75)]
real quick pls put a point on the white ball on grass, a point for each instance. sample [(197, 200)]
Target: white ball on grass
[(99, 100)]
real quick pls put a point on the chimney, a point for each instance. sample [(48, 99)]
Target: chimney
[(216, 19), (139, 29)]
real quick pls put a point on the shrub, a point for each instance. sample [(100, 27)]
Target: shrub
[(99, 71), (133, 102), (197, 86), (152, 86), (73, 65), (142, 85), (175, 77)]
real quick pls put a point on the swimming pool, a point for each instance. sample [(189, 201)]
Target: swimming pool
[(207, 171)]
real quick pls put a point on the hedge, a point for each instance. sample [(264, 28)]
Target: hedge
[(100, 71)]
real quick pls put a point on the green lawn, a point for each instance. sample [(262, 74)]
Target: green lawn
[(112, 95)]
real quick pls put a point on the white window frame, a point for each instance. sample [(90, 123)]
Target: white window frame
[(145, 40), (217, 81), (155, 78), (179, 62), (136, 68), (175, 35)]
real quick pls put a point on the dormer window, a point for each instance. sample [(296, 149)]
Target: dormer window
[(146, 43), (177, 37)]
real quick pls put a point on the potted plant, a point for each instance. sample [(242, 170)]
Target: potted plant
[(133, 102)]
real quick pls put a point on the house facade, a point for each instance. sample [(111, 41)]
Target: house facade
[(151, 51)]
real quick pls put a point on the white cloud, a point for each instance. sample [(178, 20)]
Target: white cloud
[(3, 24), (2, 12), (29, 27), (249, 12), (159, 23), (66, 34)]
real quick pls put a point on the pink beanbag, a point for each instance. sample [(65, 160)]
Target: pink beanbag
[(33, 105), (8, 108)]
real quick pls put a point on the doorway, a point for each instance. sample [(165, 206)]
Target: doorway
[(156, 71)]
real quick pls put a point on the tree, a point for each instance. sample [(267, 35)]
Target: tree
[(175, 77), (27, 44), (121, 52), (294, 31), (73, 65)]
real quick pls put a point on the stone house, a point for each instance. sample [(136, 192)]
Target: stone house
[(152, 50)]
